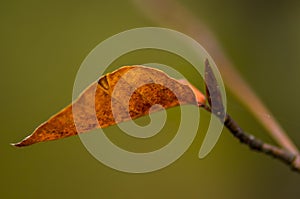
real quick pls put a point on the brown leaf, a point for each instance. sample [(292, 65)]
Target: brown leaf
[(213, 91), (132, 90)]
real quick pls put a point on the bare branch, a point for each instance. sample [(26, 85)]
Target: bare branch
[(213, 94)]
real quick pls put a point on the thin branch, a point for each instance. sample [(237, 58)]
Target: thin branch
[(216, 107), (289, 158), (170, 13)]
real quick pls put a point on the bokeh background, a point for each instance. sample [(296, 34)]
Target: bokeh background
[(42, 46)]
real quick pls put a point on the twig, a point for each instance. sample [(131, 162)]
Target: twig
[(216, 107), (289, 158), (171, 13)]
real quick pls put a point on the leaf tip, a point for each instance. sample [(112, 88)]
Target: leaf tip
[(206, 62), (25, 142), (19, 144)]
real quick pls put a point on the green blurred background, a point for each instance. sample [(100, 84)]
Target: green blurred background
[(42, 46)]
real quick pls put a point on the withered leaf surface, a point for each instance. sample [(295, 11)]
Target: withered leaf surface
[(213, 92), (130, 90)]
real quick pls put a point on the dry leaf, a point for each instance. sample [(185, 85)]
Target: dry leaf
[(213, 91), (132, 90)]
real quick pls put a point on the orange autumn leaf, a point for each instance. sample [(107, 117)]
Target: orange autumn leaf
[(130, 90)]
